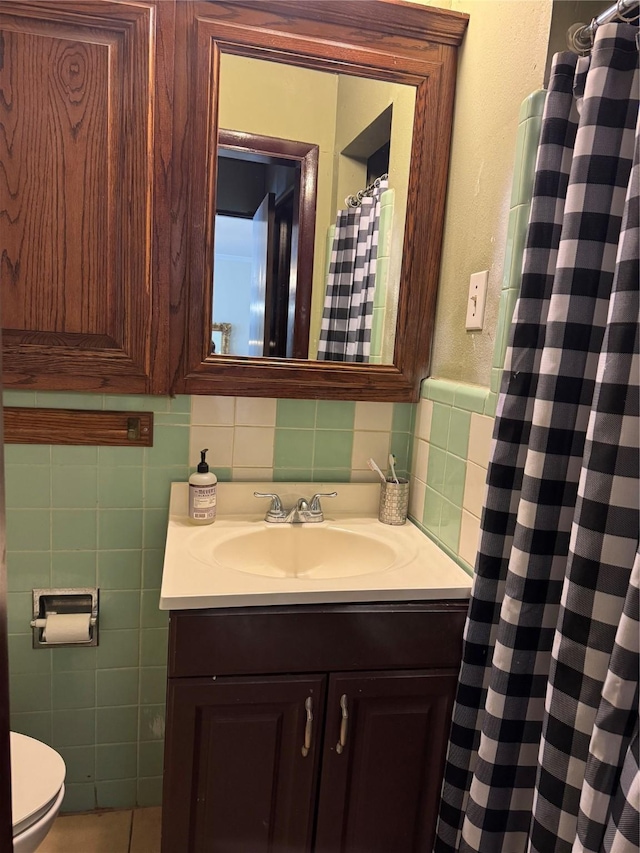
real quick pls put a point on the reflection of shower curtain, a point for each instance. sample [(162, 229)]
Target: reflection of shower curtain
[(543, 755), (345, 334)]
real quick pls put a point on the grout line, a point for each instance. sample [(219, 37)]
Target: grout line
[(131, 830), (50, 711), (233, 433)]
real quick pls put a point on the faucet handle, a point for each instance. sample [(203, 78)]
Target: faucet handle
[(314, 503), (276, 503)]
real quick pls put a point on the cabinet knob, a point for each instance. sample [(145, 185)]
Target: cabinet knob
[(308, 729), (343, 724)]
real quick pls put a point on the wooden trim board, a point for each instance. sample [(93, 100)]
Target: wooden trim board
[(77, 426)]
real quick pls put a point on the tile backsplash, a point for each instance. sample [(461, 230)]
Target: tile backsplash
[(303, 440)]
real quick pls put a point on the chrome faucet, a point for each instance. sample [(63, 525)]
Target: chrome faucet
[(304, 512)]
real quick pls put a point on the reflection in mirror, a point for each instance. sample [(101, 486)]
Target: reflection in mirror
[(290, 276), (221, 338), (265, 211)]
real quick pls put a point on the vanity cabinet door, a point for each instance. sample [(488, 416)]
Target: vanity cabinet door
[(241, 764), (383, 757)]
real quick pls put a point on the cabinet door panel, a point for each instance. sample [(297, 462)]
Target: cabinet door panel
[(236, 778), (81, 191), (380, 793)]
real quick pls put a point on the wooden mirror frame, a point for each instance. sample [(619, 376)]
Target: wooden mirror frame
[(381, 39)]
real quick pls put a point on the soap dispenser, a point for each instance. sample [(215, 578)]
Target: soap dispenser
[(202, 493)]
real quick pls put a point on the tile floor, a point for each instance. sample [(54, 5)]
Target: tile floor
[(132, 831)]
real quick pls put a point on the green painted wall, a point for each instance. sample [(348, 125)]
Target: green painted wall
[(502, 60)]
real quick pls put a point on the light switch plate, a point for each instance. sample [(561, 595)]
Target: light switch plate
[(477, 297)]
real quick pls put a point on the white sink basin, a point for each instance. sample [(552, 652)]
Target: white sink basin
[(306, 552), (242, 561)]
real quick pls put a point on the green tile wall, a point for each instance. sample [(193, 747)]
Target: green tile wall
[(441, 458), (520, 205), (304, 440), (380, 346), (87, 516)]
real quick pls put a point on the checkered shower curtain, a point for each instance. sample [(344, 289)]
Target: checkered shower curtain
[(345, 333), (543, 754)]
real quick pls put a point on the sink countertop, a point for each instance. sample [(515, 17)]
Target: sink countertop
[(421, 572)]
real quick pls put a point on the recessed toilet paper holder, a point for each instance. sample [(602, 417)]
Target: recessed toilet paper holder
[(53, 602)]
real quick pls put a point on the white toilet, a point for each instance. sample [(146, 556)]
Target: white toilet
[(37, 791)]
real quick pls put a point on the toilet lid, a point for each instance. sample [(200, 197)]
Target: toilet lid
[(37, 774)]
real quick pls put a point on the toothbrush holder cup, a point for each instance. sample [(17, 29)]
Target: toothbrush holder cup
[(394, 501)]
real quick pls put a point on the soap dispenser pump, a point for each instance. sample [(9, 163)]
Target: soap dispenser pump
[(202, 493)]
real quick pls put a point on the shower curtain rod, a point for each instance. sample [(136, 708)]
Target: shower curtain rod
[(580, 36), (356, 200)]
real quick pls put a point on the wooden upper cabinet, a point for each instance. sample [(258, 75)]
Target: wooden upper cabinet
[(85, 151)]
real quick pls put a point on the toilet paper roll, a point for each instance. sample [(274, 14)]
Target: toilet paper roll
[(67, 628)]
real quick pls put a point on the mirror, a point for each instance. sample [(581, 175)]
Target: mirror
[(394, 66), (284, 131)]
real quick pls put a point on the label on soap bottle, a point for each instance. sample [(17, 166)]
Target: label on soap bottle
[(202, 502)]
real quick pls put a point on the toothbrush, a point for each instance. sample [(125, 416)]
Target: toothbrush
[(392, 465), (371, 463)]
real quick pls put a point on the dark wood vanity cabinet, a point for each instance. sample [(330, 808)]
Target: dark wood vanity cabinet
[(342, 754), (379, 794), (239, 767)]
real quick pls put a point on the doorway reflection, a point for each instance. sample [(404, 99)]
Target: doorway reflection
[(255, 277), (232, 281)]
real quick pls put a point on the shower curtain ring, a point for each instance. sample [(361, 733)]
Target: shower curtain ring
[(620, 13)]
